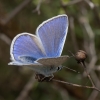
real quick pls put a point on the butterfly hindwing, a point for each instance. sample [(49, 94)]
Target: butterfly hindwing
[(53, 61)]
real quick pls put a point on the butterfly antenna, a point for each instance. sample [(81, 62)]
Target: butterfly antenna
[(71, 69), (71, 53)]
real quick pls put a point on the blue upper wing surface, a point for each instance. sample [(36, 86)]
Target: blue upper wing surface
[(52, 34), (26, 44)]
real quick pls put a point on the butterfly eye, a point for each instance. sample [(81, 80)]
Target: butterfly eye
[(59, 68)]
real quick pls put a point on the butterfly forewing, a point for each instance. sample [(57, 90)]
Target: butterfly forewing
[(52, 34)]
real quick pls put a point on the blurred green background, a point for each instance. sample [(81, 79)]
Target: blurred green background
[(17, 16)]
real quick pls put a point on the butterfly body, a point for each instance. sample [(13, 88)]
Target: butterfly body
[(47, 66), (46, 70), (41, 52)]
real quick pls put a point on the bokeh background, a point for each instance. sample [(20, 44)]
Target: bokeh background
[(17, 16)]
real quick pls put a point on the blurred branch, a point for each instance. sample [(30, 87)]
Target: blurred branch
[(63, 92), (72, 32), (89, 31), (73, 2), (1, 98), (97, 68), (70, 2), (64, 5), (96, 14), (95, 9), (5, 38), (14, 12), (24, 93), (91, 49), (37, 9), (91, 4)]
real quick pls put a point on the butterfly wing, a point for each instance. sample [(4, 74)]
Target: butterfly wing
[(34, 66), (52, 34), (26, 44), (53, 61)]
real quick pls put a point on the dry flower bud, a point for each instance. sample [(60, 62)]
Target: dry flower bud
[(80, 56)]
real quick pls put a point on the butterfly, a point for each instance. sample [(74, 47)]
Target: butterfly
[(41, 52)]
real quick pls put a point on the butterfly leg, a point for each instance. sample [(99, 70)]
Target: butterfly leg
[(39, 77), (47, 79), (42, 78), (50, 78)]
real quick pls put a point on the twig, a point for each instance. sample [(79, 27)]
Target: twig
[(94, 94), (15, 12), (37, 9), (81, 61), (76, 85), (84, 66)]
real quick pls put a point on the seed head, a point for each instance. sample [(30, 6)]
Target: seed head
[(80, 56)]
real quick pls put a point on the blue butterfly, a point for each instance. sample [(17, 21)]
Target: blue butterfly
[(41, 52)]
